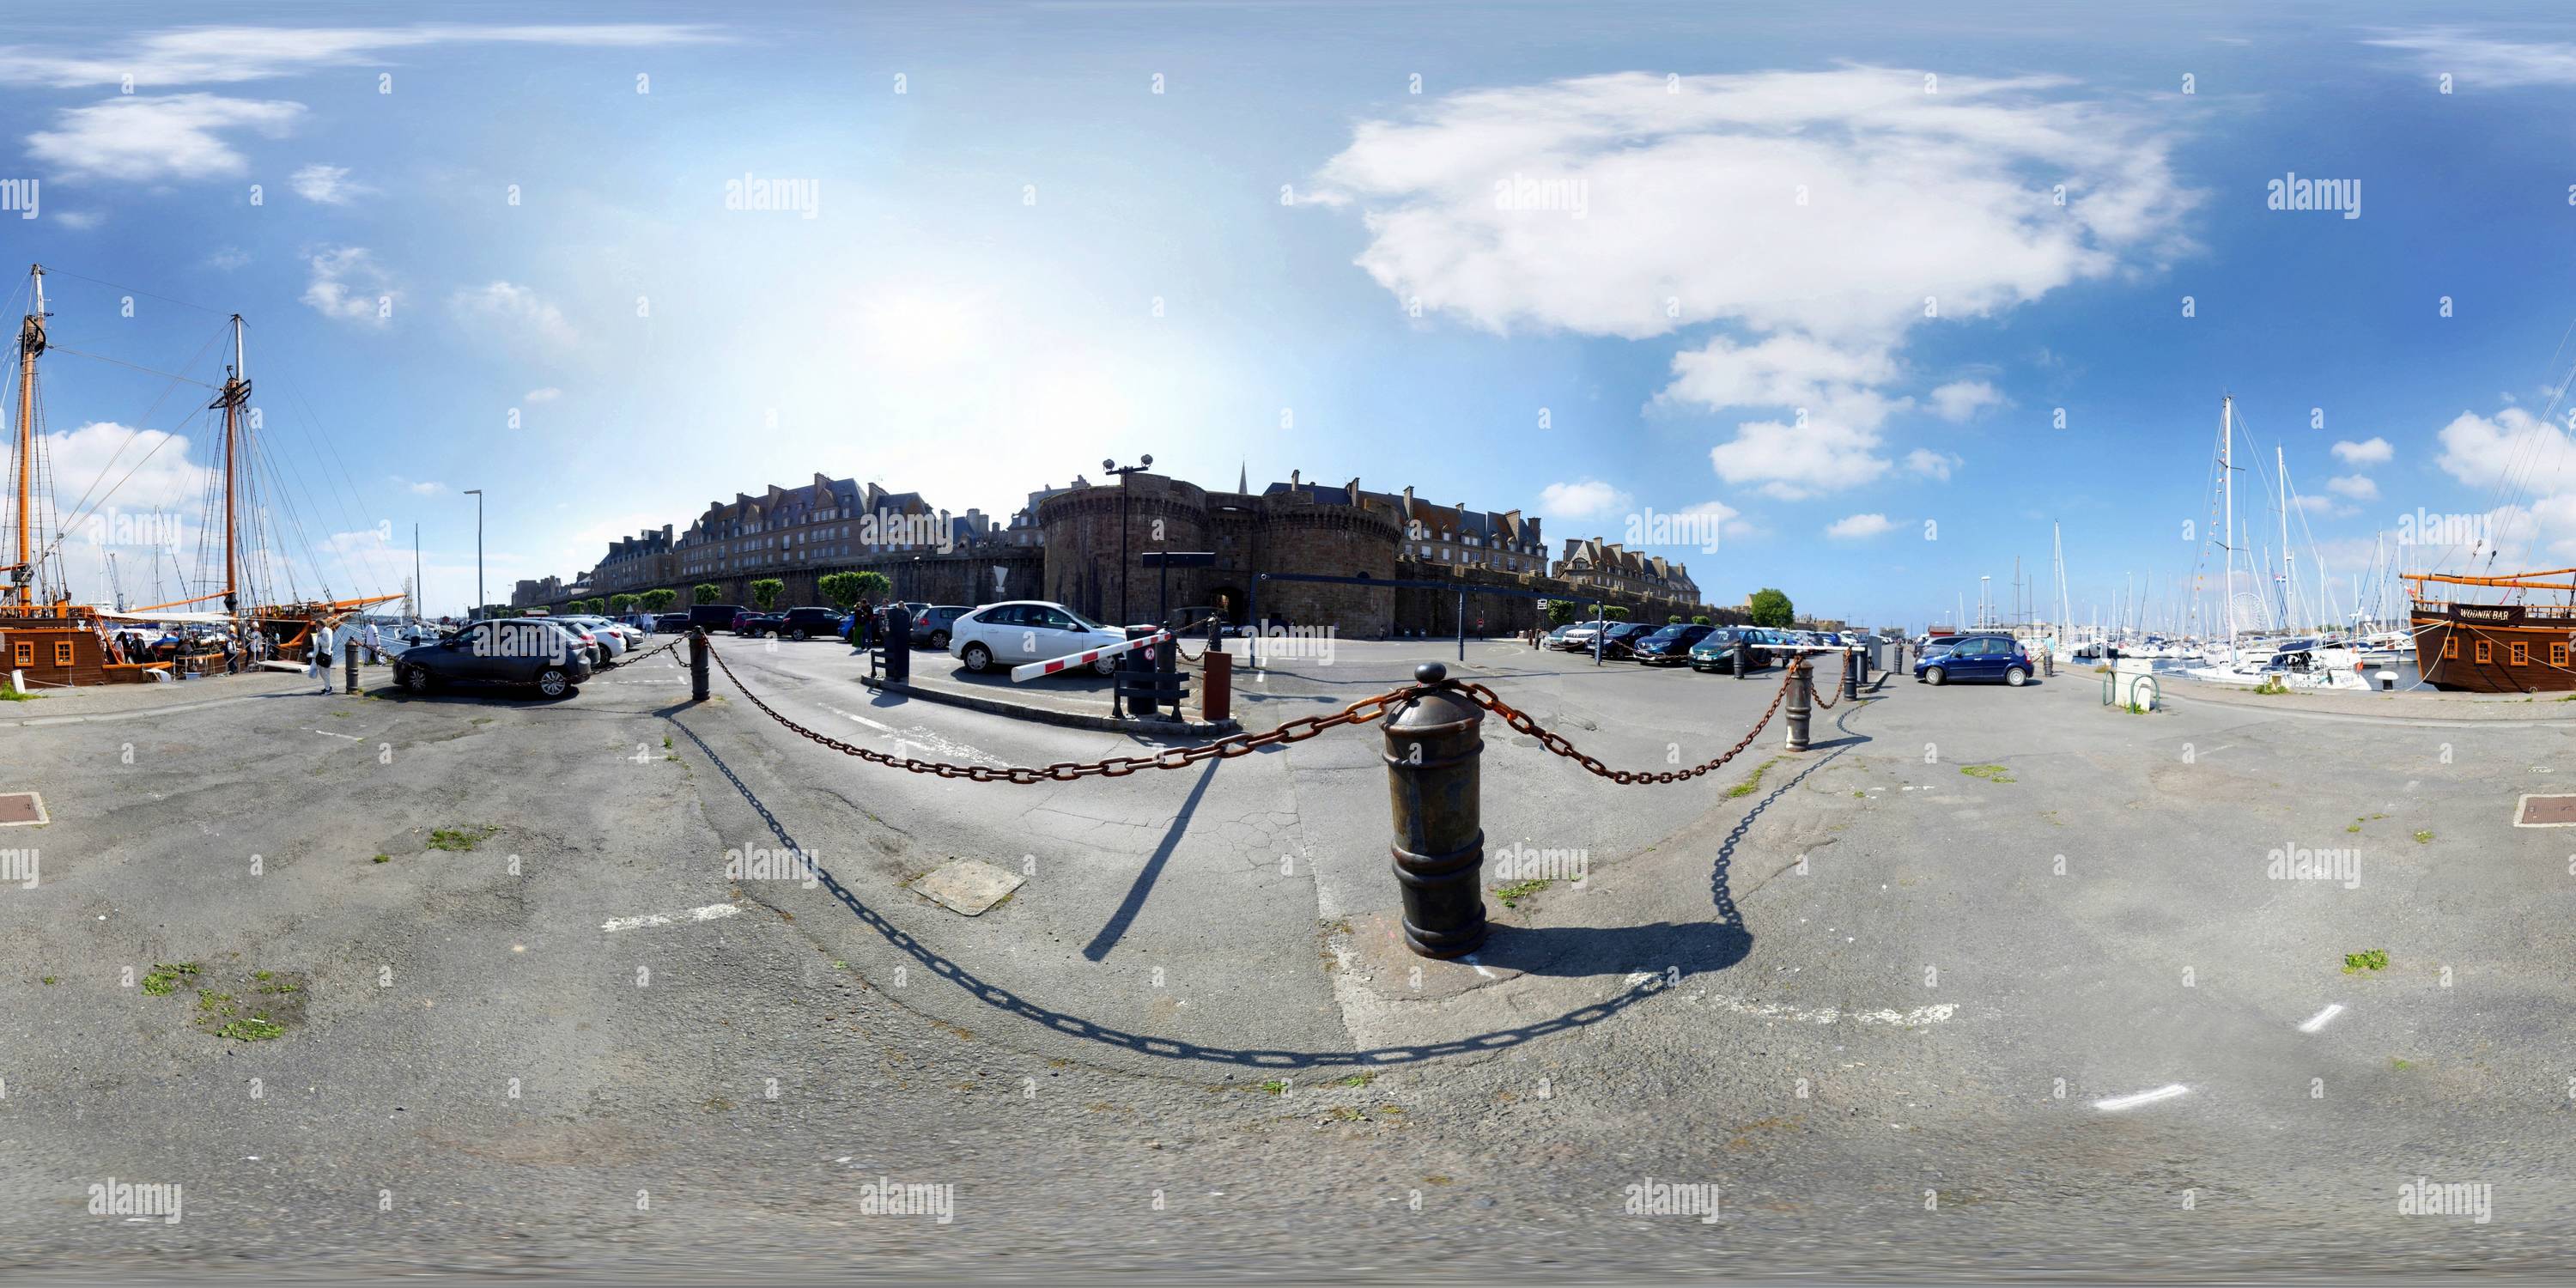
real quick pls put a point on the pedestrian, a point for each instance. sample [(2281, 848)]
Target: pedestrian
[(322, 653), (866, 626), (375, 645)]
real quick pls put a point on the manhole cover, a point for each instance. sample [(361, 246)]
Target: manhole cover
[(21, 809), (2546, 811), (967, 886)]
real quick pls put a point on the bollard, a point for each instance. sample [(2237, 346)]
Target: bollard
[(697, 664), (897, 644), (1800, 692), (1432, 749), (1853, 663), (1216, 685), (349, 650)]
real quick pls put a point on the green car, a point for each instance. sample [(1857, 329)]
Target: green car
[(1716, 651)]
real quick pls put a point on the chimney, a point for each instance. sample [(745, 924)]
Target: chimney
[(1292, 478)]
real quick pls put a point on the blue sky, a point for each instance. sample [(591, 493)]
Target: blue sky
[(1343, 288)]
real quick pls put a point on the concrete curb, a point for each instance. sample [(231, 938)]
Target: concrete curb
[(1049, 715)]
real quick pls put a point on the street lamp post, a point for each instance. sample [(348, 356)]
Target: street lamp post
[(480, 603), (1122, 471)]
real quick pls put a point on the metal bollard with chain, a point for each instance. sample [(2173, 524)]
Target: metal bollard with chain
[(1802, 695)]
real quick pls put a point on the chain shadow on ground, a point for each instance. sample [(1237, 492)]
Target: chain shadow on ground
[(1600, 941)]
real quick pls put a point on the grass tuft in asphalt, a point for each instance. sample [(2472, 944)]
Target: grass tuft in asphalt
[(1753, 784), (1991, 773), (1510, 896), (458, 838), (2366, 960)]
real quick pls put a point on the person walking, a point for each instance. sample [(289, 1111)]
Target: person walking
[(375, 645), (322, 641)]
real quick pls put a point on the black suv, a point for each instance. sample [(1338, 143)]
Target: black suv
[(795, 623)]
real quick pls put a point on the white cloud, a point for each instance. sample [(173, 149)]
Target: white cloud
[(2373, 451), (326, 184), (2475, 62), (228, 258), (513, 310), (227, 55), (1592, 205), (1932, 464), (427, 487), (1588, 499), (2322, 505), (2514, 447), (1854, 527), (1961, 399), (79, 220), (545, 395), (349, 285), (152, 465), (2357, 486), (157, 138)]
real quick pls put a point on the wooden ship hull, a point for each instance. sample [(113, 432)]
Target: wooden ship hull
[(2495, 648)]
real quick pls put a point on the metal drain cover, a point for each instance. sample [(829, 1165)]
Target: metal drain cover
[(2546, 811), (21, 809)]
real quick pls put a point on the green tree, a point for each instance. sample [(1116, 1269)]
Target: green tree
[(765, 593), (706, 592), (660, 600), (1615, 613), (875, 587), (623, 603), (839, 589), (1560, 612), (1702, 620), (1674, 620), (1771, 608)]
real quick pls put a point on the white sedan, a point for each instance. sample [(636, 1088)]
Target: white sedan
[(1028, 630)]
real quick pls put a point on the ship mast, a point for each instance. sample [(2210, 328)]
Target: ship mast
[(31, 341), (235, 395), (2227, 476)]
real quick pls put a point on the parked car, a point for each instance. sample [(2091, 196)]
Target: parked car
[(1977, 657), (932, 624), (1028, 630), (795, 623), (713, 617), (533, 652), (1621, 638), (1669, 643), (1725, 648), (608, 641), (1578, 637), (670, 623)]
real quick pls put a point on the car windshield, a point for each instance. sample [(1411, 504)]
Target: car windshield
[(1080, 620), (1667, 634)]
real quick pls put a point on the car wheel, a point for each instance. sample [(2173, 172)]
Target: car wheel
[(939, 641), (1105, 666), (1935, 677), (2015, 676), (978, 657), (553, 683), (416, 679), (801, 635)]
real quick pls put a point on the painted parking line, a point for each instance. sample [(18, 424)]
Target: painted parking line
[(711, 912), (328, 734), (2322, 1018), (2117, 1103)]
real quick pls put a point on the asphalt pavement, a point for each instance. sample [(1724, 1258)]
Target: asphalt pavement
[(1989, 981)]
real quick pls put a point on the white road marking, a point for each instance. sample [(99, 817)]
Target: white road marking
[(2117, 1103), (924, 738), (709, 913), (328, 734), (1919, 1017), (2322, 1018)]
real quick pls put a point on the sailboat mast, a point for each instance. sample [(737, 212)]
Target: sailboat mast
[(2227, 479), (2281, 466), (31, 341)]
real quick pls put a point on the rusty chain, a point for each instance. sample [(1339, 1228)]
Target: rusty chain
[(1244, 744), (1818, 697), (1226, 748), (1556, 742), (616, 662)]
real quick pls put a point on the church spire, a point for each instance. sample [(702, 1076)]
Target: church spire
[(1243, 478)]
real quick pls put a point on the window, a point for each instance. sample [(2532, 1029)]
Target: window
[(26, 655), (62, 652), (2486, 651), (2521, 653), (2558, 655), (2451, 647)]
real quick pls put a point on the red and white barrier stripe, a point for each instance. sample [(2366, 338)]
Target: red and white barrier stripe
[(1030, 670)]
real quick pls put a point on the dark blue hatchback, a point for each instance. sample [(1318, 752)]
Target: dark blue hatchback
[(1977, 657)]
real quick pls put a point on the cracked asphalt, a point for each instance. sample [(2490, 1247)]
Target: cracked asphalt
[(1876, 998)]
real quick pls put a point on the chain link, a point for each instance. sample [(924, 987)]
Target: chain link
[(1818, 697), (1556, 742), (616, 662), (1226, 748)]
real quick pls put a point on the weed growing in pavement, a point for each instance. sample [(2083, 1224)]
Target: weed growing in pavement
[(163, 979), (2422, 837), (2272, 686), (1991, 773), (1275, 1087), (1510, 896), (1753, 784), (2369, 959), (14, 695), (458, 838)]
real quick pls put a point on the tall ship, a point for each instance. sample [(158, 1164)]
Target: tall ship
[(47, 640), (2505, 646)]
